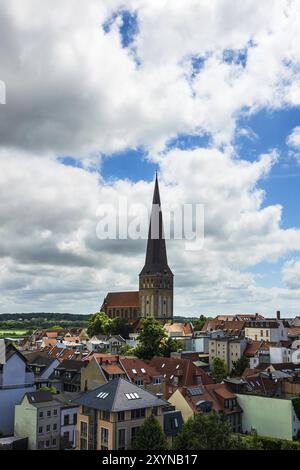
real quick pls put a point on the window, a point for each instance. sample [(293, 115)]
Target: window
[(157, 381), (83, 444), (47, 444), (106, 415), (139, 382), (138, 414), (54, 412), (48, 428), (267, 332), (75, 418), (54, 427), (49, 413), (66, 420), (121, 416), (134, 432), (121, 439), (57, 373), (54, 442), (41, 430), (261, 332), (83, 429), (41, 414), (104, 434)]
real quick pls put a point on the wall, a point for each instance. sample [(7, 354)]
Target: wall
[(93, 375), (181, 404), (271, 417), (71, 427), (26, 423), (14, 383), (8, 400)]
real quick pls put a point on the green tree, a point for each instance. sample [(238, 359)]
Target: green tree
[(150, 339), (53, 390), (205, 432), (199, 323), (169, 346), (239, 366), (120, 326), (150, 436), (99, 324), (127, 350), (219, 369), (252, 442)]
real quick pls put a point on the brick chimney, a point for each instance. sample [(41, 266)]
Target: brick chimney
[(278, 314)]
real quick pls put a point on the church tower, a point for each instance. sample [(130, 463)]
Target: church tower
[(156, 278)]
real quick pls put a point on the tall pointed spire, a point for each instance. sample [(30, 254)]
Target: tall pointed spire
[(156, 255)]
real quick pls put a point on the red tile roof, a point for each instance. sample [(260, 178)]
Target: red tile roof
[(232, 327), (254, 346), (294, 331), (51, 334), (142, 369), (103, 358), (122, 299), (113, 369), (214, 393), (184, 369)]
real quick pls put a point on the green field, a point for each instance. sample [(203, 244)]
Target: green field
[(12, 333)]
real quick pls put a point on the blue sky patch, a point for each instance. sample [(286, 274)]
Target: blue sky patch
[(131, 164), (128, 29)]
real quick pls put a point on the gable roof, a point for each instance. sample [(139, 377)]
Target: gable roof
[(11, 350), (182, 329), (39, 397), (121, 299), (232, 327), (137, 368), (216, 394), (112, 396), (253, 347), (184, 369)]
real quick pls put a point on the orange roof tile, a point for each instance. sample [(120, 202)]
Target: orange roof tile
[(122, 299)]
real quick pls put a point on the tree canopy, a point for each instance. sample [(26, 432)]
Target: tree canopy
[(150, 436), (204, 432), (219, 369), (239, 366), (101, 324), (150, 339)]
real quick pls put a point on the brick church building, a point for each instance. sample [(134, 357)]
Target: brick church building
[(156, 280)]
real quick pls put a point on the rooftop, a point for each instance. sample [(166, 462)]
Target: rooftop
[(119, 395)]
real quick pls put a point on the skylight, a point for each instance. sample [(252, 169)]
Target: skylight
[(163, 366), (177, 367), (143, 370), (103, 395), (132, 396), (134, 371)]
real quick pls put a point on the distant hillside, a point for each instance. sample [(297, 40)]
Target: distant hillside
[(44, 316), (27, 322)]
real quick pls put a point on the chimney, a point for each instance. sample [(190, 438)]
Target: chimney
[(278, 314)]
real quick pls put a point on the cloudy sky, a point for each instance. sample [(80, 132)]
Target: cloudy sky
[(100, 94)]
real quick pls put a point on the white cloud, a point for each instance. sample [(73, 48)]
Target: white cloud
[(52, 259), (293, 139), (73, 90), (291, 274)]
